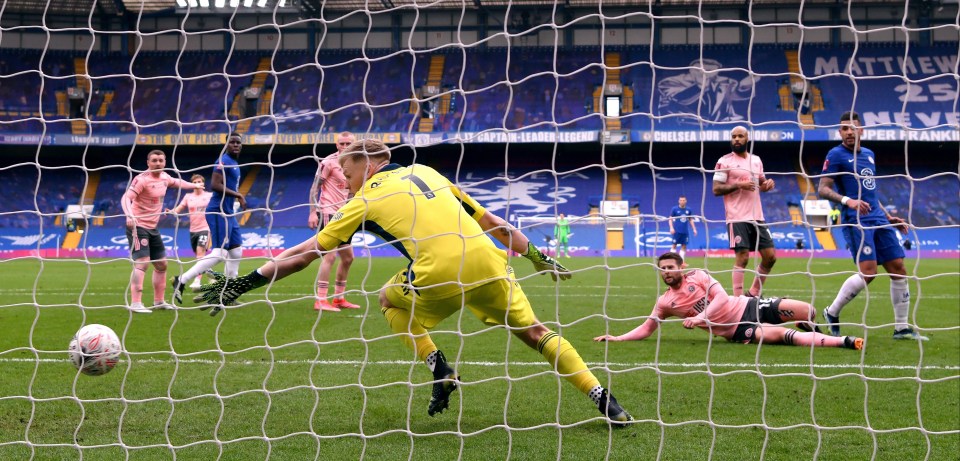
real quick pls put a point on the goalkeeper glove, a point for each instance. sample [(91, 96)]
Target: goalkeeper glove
[(224, 292), (543, 263)]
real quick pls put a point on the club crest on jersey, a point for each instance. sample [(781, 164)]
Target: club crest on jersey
[(867, 250), (869, 182), (143, 242), (738, 239), (690, 288), (748, 333)]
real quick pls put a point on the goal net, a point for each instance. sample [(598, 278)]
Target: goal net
[(536, 110)]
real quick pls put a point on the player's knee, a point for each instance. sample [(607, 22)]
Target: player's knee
[(384, 302), (769, 261), (160, 266), (531, 336), (346, 258)]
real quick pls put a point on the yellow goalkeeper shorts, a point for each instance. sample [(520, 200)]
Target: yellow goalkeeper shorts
[(498, 302)]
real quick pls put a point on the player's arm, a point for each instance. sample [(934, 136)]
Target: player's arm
[(766, 184), (514, 239), (126, 203), (180, 207), (900, 223), (223, 292), (826, 191), (217, 184), (637, 334), (721, 188), (718, 298), (670, 222), (313, 221)]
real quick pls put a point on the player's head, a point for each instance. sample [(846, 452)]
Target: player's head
[(682, 201), (197, 179), (739, 137), (362, 159), (671, 268), (344, 140), (234, 144), (156, 161), (563, 215), (850, 129)]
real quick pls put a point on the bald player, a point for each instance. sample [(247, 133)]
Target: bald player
[(739, 179)]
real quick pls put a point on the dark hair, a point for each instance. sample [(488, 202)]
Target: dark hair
[(670, 255), (234, 133), (682, 196), (848, 116)]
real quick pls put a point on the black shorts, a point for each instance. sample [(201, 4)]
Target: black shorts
[(200, 239), (150, 244), (758, 310), (324, 220), (750, 236)]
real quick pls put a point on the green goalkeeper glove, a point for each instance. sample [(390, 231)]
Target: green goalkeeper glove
[(224, 292), (544, 263)]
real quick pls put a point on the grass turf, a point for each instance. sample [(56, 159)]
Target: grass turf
[(275, 378)]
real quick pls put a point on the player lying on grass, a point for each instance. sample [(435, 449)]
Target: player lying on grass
[(453, 264), (702, 302)]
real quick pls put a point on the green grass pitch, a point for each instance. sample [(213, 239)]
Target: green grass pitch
[(274, 379)]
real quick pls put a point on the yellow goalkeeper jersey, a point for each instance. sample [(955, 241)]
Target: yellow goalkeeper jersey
[(430, 221)]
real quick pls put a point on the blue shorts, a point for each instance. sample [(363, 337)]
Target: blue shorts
[(224, 231), (681, 239), (879, 244)]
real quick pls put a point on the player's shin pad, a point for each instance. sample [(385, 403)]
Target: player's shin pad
[(544, 263)]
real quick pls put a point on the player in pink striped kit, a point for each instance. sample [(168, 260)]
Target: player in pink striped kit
[(699, 299), (142, 204), (739, 179), (196, 204), (333, 193)]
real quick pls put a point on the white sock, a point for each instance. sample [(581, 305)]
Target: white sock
[(232, 267), (204, 264), (850, 289), (595, 394), (900, 297), (683, 255), (431, 360)]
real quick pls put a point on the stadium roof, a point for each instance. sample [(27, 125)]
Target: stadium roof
[(310, 7)]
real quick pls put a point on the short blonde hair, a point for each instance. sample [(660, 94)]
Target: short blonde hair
[(373, 149)]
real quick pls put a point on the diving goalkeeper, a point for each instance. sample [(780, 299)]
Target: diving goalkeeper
[(453, 263)]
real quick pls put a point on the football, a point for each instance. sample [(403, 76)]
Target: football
[(95, 350)]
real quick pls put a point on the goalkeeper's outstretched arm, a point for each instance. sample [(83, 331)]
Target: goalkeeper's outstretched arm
[(514, 239), (224, 292)]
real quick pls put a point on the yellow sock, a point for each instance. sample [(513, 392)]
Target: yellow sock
[(561, 354), (399, 321)]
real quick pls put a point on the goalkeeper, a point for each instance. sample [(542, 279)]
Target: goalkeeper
[(453, 263), (562, 231)]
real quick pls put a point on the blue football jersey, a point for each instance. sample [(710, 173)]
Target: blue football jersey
[(230, 169), (855, 180)]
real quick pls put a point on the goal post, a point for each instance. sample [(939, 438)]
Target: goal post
[(587, 235)]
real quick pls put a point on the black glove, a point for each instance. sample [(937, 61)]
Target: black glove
[(224, 292)]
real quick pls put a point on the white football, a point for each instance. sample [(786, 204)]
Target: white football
[(95, 350)]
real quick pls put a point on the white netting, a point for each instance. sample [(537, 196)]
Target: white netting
[(531, 108)]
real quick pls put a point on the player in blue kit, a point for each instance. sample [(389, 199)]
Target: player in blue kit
[(680, 218), (225, 239), (867, 228)]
